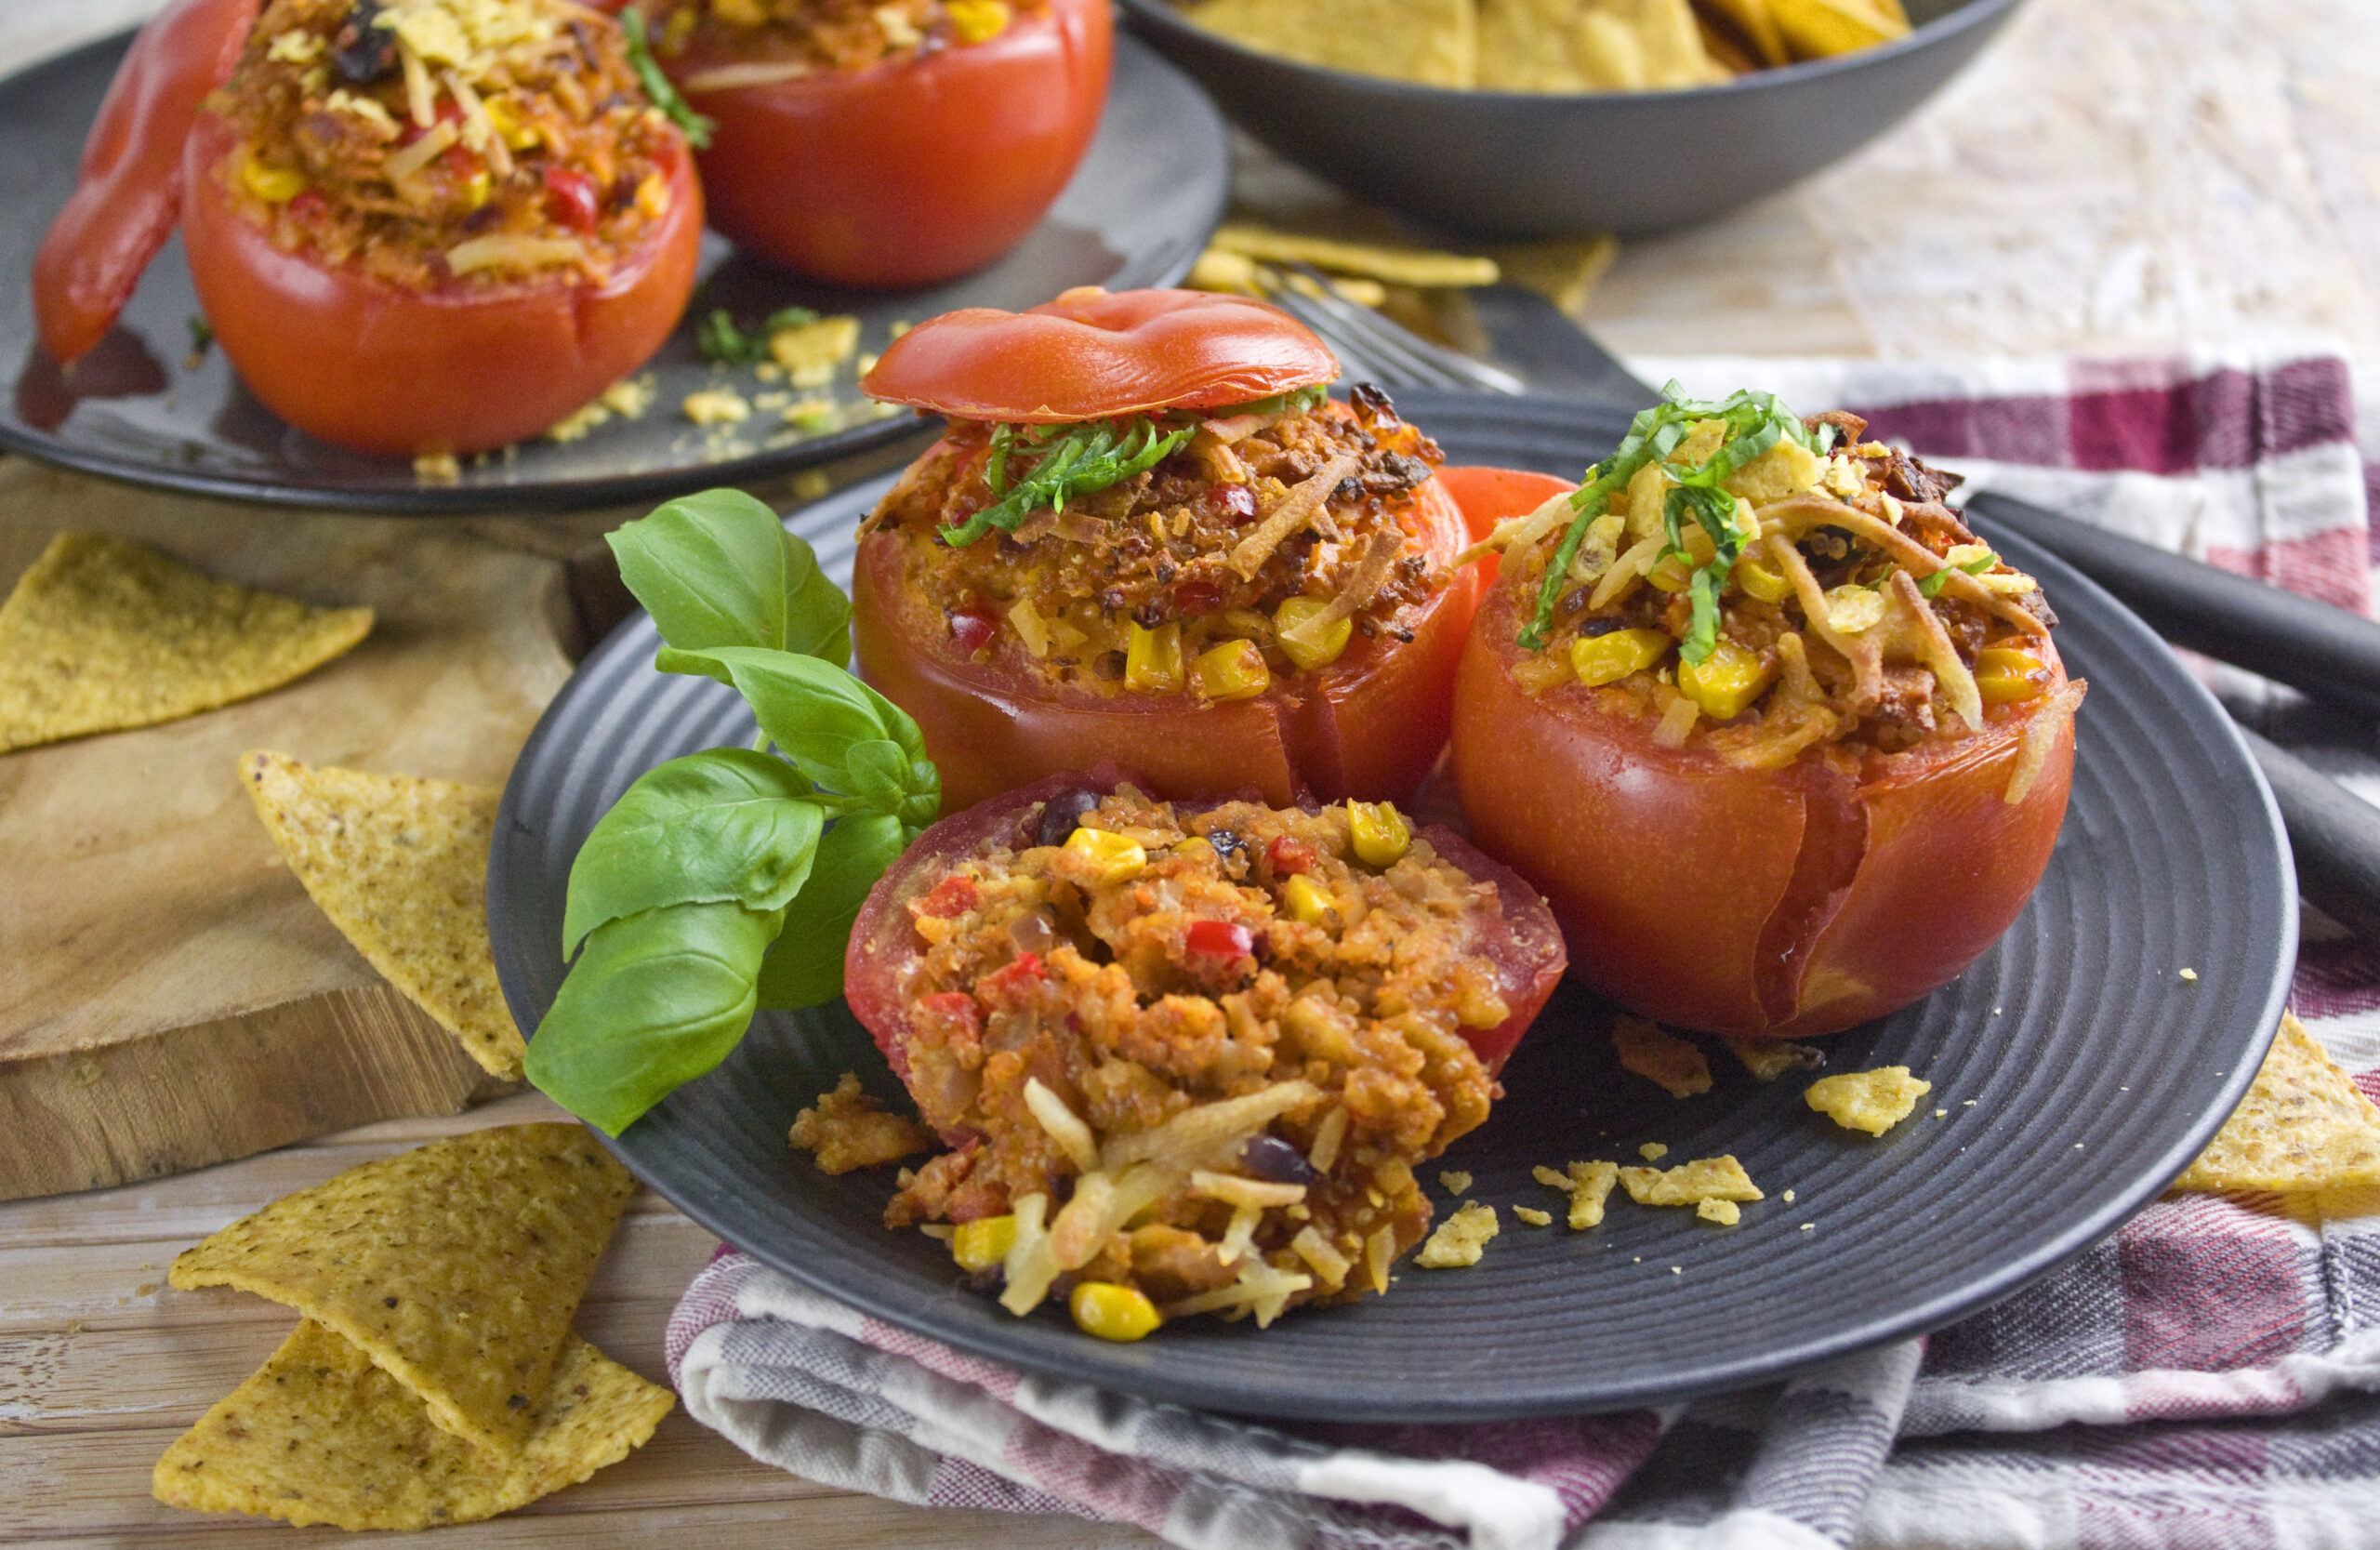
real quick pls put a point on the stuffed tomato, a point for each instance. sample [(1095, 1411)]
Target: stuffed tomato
[(414, 227), (1188, 1053), (1148, 537), (896, 144), (1783, 744)]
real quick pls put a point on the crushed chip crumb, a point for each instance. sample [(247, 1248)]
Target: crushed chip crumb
[(808, 353), (1786, 1197), (437, 468), (717, 406), (1533, 1216), (1709, 1178), (1456, 1181), (1809, 1226), (1871, 1101), (1587, 1184), (2190, 974), (1661, 1057), (1461, 1238), (1769, 1059), (1652, 1151), (850, 1129), (1725, 1212)]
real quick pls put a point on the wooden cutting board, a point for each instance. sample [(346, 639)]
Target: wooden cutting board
[(170, 996)]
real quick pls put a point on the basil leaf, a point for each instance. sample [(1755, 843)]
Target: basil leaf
[(805, 967), (814, 711), (718, 569), (655, 1001), (656, 85), (725, 824), (880, 774)]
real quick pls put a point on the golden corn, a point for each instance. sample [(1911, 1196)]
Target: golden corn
[(509, 127), (274, 185), (1233, 670), (1112, 1312), (1759, 582), (476, 188), (1608, 658), (1113, 858), (1153, 659), (1378, 831), (1320, 654), (978, 20), (980, 1244), (1307, 904), (2005, 676), (1726, 681), (653, 196)]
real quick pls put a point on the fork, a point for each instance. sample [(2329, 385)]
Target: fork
[(1375, 347)]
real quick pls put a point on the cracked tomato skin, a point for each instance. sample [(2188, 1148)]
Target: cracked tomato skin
[(1784, 903), (885, 950), (1369, 725), (905, 174), (377, 368)]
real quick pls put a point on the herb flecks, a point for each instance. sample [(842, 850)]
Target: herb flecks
[(1068, 461), (720, 341), (1753, 423), (656, 85)]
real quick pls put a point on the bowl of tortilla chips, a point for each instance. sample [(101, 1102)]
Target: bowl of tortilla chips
[(1534, 118)]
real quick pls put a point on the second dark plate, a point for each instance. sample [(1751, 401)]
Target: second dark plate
[(1137, 213), (2075, 1073)]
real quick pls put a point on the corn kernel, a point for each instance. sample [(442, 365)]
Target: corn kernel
[(509, 127), (476, 188), (980, 1244), (1319, 653), (1307, 904), (1153, 659), (274, 185), (1760, 583), (652, 197), (1380, 833), (1113, 858), (1112, 1312), (1599, 659), (1726, 681), (2006, 676), (978, 20), (1671, 575), (1233, 670)]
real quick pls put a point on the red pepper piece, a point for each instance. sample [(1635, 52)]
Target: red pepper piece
[(955, 1010), (1010, 983), (1220, 939), (973, 630), (951, 897), (571, 198), (1285, 855), (128, 194)]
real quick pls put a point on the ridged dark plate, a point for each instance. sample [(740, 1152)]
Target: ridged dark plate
[(1137, 212), (2079, 1072)]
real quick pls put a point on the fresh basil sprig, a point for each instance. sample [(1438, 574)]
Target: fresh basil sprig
[(727, 881), (1755, 422), (656, 85), (1068, 460)]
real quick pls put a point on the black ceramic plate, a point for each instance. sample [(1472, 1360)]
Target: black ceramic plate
[(1136, 214), (2079, 1073)]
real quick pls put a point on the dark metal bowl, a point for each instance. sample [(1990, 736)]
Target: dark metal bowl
[(1517, 164)]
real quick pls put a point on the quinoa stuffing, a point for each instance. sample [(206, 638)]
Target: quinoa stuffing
[(434, 142), (1195, 1056), (745, 43), (1255, 544)]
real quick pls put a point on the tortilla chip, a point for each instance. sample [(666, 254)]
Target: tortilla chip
[(1871, 1101), (1709, 1178), (2302, 1126), (100, 635), (1563, 270), (457, 1266), (1711, 1209), (1587, 1184), (1769, 1059), (1461, 1238), (1660, 1056), (320, 1435), (1752, 19), (1817, 29), (1566, 45), (1399, 264), (1432, 43), (399, 865)]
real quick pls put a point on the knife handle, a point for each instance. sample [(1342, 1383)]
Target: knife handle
[(2327, 652), (2333, 834)]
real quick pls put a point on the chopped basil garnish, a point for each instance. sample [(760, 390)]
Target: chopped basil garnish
[(656, 85), (717, 339)]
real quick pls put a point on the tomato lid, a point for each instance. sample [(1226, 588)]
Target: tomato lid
[(1092, 354)]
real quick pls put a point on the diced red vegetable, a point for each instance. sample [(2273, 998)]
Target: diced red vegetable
[(951, 897), (972, 630), (1220, 939), (572, 197)]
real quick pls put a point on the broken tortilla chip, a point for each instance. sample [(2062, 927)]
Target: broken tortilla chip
[(1432, 43), (1660, 1056), (1400, 264), (399, 864), (1769, 1059), (1871, 1101), (2302, 1126), (456, 1267), (1566, 45), (1709, 1178), (100, 635), (320, 1435)]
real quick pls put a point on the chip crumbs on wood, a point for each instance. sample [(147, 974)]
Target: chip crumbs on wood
[(1587, 1184), (1871, 1101), (1660, 1056), (1461, 1238)]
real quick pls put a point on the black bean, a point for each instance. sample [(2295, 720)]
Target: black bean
[(1275, 1161), (362, 52), (1062, 815), (1592, 628)]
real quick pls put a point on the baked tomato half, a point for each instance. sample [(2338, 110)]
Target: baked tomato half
[(1779, 787), (927, 163)]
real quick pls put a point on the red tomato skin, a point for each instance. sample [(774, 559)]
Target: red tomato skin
[(1491, 495), (1094, 354), (908, 174), (885, 950), (1370, 725), (1782, 903), (129, 191), (361, 364)]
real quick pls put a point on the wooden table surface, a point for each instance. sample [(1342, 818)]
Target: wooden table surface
[(2116, 176)]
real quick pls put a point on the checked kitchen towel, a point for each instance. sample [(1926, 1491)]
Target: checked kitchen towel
[(2210, 1376)]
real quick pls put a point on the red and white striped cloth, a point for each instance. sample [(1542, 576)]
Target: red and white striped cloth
[(2209, 1376)]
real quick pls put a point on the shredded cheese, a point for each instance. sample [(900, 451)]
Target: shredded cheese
[(1297, 507)]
